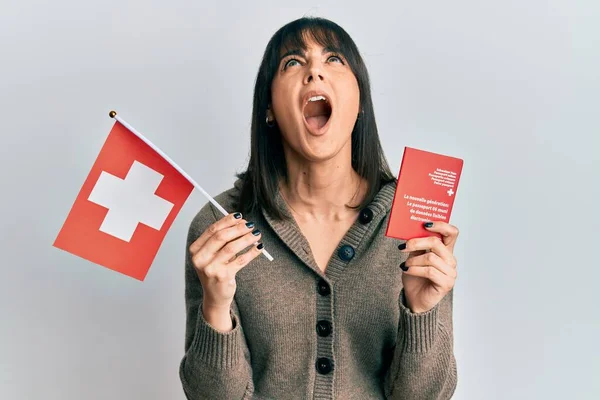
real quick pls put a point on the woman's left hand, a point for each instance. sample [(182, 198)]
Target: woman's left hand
[(430, 270)]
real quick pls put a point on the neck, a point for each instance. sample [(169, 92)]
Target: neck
[(322, 191)]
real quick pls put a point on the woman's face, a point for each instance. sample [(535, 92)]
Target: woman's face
[(315, 101)]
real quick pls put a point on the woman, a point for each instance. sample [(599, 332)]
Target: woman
[(333, 315)]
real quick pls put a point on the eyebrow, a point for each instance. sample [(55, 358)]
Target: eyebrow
[(298, 52)]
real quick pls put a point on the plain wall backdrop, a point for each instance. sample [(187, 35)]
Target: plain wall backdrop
[(512, 87)]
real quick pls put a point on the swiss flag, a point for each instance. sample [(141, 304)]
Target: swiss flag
[(125, 207)]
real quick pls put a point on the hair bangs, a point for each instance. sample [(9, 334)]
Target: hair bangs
[(297, 34), (298, 38)]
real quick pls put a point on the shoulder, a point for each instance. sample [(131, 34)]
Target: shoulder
[(384, 197), (209, 214), (389, 185)]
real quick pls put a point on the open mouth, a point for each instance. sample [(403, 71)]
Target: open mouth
[(317, 112)]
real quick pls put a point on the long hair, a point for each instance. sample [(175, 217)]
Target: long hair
[(267, 165)]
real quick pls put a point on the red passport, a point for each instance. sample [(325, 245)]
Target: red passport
[(427, 185)]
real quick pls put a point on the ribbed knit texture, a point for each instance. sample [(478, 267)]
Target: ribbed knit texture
[(216, 349), (377, 347)]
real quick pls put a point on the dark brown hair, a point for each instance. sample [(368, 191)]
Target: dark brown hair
[(267, 166)]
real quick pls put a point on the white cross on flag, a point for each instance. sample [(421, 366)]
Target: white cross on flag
[(125, 207)]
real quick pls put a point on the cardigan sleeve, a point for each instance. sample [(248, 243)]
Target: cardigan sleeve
[(215, 365), (423, 364)]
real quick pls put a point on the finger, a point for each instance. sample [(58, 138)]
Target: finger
[(220, 239), (432, 243), (233, 247), (440, 280), (242, 260), (449, 232), (431, 260), (225, 222)]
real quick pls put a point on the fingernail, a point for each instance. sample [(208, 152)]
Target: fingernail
[(402, 246), (249, 225), (403, 266), (256, 232), (260, 246), (237, 215), (428, 224)]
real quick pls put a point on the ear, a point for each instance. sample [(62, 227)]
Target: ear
[(270, 113)]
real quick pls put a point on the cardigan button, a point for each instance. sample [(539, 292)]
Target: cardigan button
[(323, 328), (346, 252), (324, 365), (366, 216), (323, 288)]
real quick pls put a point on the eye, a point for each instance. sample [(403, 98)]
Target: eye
[(289, 63), (335, 57)]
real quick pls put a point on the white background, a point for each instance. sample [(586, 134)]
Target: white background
[(512, 87)]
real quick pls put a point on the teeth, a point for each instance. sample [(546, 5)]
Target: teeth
[(317, 98)]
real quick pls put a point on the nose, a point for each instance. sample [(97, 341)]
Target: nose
[(314, 74)]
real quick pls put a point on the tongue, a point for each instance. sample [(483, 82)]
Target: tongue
[(317, 122)]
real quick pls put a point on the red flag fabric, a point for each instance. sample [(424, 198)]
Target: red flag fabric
[(127, 204)]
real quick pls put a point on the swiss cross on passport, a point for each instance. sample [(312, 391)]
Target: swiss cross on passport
[(427, 185)]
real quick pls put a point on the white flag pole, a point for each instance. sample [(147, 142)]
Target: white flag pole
[(113, 114)]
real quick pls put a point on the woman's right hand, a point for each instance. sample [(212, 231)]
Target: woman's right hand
[(213, 255)]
